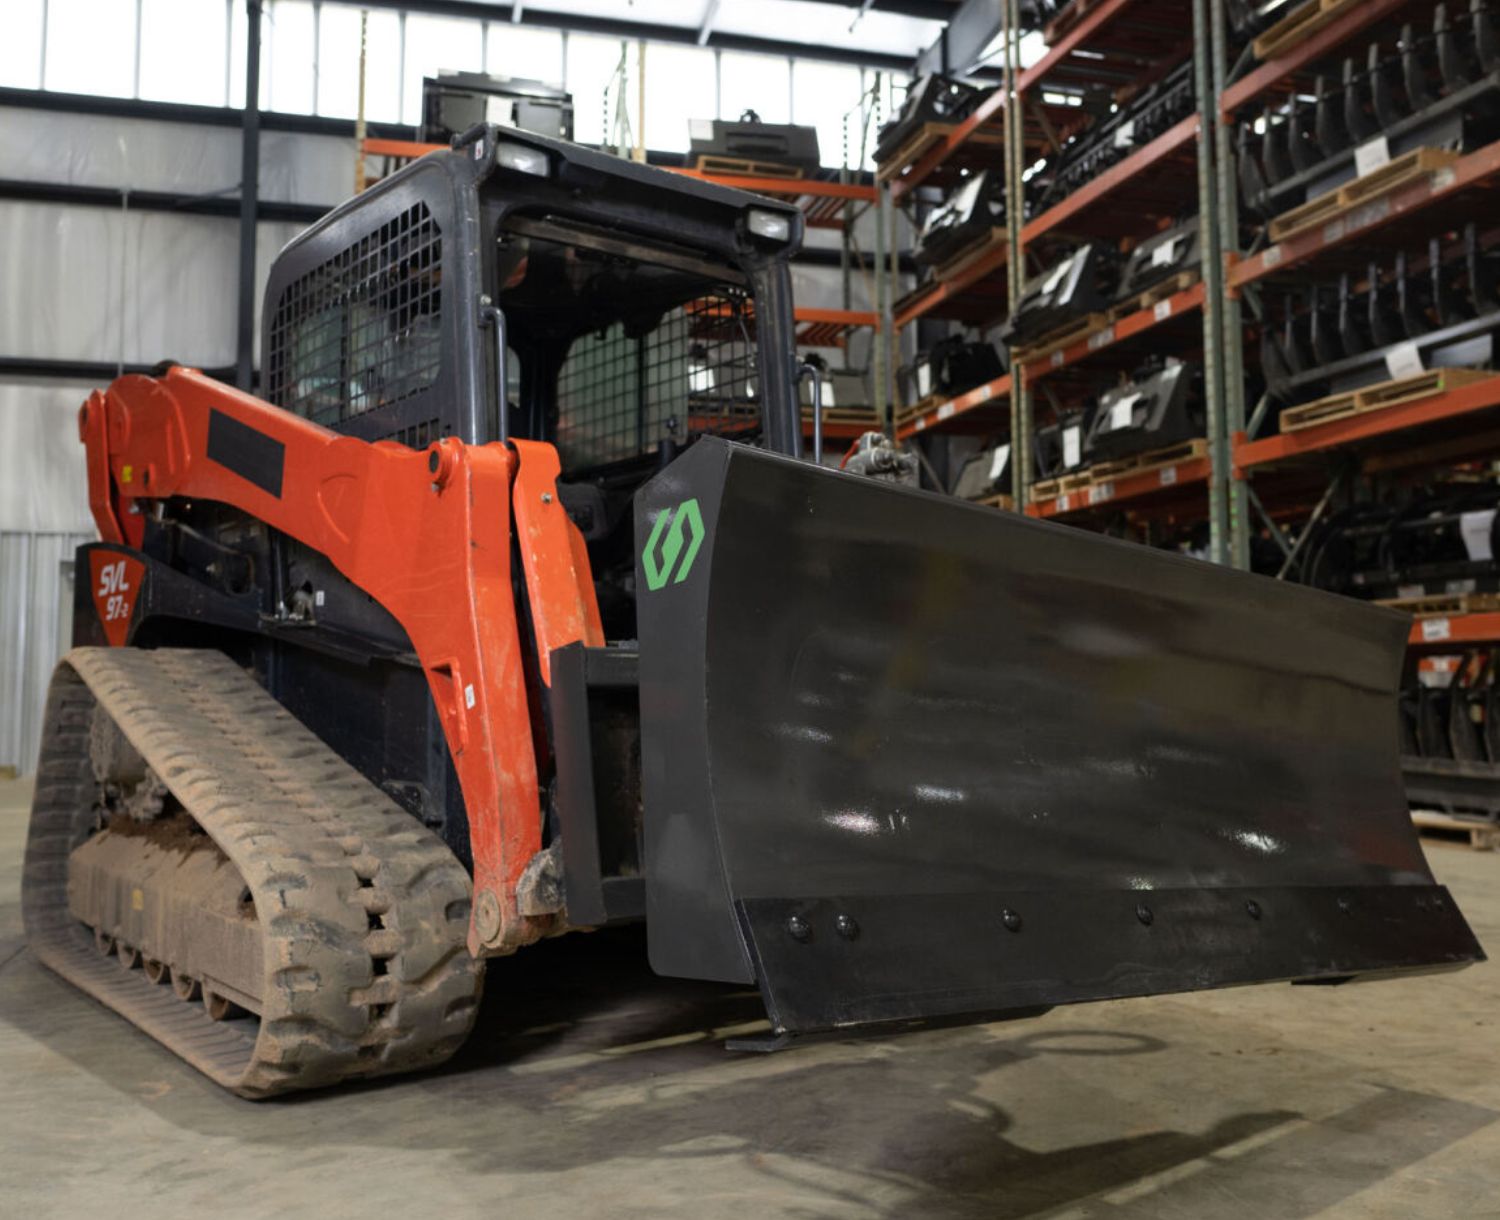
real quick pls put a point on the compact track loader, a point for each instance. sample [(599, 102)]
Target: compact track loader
[(513, 608)]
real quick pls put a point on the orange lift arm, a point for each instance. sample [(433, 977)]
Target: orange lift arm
[(427, 534)]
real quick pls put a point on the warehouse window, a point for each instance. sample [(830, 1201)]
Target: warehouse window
[(432, 44), (90, 47), (518, 50), (21, 48), (821, 95), (183, 47), (338, 64), (194, 51), (761, 83), (364, 329), (291, 47), (681, 84)]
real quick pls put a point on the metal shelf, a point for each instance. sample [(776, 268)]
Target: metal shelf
[(1278, 75), (829, 327), (1437, 633), (1131, 192), (973, 411), (1140, 34), (1367, 427), (1443, 198), (1148, 488), (1108, 339), (976, 296)]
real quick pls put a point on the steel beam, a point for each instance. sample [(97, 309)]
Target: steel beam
[(249, 200)]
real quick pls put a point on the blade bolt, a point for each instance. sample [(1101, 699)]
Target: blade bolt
[(1252, 909), (799, 929), (1143, 913), (846, 926), (546, 497), (1011, 920)]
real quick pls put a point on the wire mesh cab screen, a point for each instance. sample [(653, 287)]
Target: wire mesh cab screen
[(620, 394), (363, 329), (650, 345)]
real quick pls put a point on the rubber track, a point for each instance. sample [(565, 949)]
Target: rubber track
[(364, 910)]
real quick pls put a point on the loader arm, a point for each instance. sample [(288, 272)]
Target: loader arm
[(427, 534)]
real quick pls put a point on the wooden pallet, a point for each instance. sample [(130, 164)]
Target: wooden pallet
[(1394, 174), (1045, 489), (1003, 502), (1145, 463), (1056, 340), (859, 417), (1078, 480), (904, 415), (744, 167), (1444, 605), (1157, 293), (1378, 397), (969, 255), (925, 139), (1299, 25), (1483, 836)]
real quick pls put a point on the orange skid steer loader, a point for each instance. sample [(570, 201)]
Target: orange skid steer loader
[(513, 607)]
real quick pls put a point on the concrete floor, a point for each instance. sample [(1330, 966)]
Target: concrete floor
[(1279, 1102)]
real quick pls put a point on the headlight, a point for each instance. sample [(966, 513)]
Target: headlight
[(773, 226), (522, 159)]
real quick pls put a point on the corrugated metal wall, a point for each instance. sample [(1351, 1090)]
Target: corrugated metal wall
[(36, 614)]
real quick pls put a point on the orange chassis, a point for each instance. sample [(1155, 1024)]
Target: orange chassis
[(427, 534)]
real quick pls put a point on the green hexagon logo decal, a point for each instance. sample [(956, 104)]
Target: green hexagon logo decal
[(671, 558)]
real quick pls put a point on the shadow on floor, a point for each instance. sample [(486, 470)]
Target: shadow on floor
[(583, 1055)]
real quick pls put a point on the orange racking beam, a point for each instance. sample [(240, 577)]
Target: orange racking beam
[(1111, 179), (1478, 396), (957, 408)]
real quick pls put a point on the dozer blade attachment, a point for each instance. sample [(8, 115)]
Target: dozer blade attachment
[(905, 757)]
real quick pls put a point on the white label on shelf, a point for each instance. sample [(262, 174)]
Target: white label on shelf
[(921, 424), (945, 411), (1436, 629), (1475, 528), (1371, 155), (1100, 492), (1072, 445), (1123, 412), (1410, 590), (1163, 310), (1165, 254), (828, 399), (1271, 258), (998, 458), (1168, 475), (1063, 504), (1125, 134), (1101, 338), (1370, 214), (1404, 360), (1057, 358), (982, 394), (924, 380), (1443, 178), (1333, 230)]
